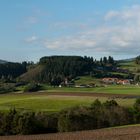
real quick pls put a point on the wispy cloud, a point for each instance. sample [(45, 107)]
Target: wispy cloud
[(31, 39), (127, 13), (119, 33), (68, 43)]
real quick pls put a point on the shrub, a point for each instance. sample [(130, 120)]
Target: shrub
[(7, 87), (97, 116), (110, 103), (32, 87), (6, 122), (13, 123), (96, 104), (47, 123), (136, 108), (75, 119)]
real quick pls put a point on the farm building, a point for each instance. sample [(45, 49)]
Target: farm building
[(110, 80), (124, 82), (116, 81)]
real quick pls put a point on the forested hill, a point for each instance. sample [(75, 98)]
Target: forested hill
[(57, 68), (12, 70), (67, 65)]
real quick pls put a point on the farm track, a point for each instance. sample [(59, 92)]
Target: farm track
[(128, 133)]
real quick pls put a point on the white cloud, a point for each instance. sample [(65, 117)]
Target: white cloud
[(68, 43), (111, 14), (128, 13), (120, 33), (31, 39)]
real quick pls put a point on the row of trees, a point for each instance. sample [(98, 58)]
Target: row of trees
[(110, 60), (13, 123), (98, 115)]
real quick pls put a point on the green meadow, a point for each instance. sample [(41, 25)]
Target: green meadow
[(113, 89), (50, 103), (48, 100)]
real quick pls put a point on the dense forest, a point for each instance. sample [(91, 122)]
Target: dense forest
[(55, 69), (12, 70)]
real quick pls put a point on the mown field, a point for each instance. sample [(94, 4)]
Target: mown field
[(114, 89), (120, 133), (42, 102), (55, 99), (53, 102)]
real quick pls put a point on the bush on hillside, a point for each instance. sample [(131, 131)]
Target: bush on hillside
[(32, 87), (97, 116), (13, 123), (7, 87)]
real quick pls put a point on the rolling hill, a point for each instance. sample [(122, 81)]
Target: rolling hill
[(57, 68)]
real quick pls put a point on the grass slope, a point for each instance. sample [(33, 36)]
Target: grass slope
[(130, 65), (87, 80), (32, 74), (112, 89), (49, 103), (42, 102)]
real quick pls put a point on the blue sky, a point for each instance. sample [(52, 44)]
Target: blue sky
[(30, 29)]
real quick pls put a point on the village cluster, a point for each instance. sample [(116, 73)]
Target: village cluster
[(117, 81), (103, 81)]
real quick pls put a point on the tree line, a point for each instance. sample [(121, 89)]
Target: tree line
[(12, 70)]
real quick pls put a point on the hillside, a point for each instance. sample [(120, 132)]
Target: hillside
[(56, 69), (121, 133), (129, 65), (33, 75)]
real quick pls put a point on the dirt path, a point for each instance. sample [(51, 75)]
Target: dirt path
[(130, 133)]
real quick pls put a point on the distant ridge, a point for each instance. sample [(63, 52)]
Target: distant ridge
[(127, 60), (3, 61)]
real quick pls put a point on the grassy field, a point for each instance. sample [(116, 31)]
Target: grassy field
[(50, 103), (131, 66), (41, 102), (116, 89), (87, 80)]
